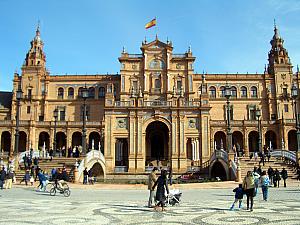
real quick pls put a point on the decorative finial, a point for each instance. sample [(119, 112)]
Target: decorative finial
[(145, 41), (123, 50), (297, 68), (156, 38), (275, 24), (265, 68), (38, 29), (167, 40), (190, 49)]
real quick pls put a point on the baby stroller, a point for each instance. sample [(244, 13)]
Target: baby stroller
[(173, 197)]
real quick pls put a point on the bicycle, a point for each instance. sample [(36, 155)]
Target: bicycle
[(65, 190)]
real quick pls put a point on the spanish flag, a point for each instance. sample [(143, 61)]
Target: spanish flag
[(151, 23)]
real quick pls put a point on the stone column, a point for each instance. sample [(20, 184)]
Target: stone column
[(131, 156), (174, 155), (140, 161), (182, 145), (246, 144), (205, 137), (193, 149), (109, 160)]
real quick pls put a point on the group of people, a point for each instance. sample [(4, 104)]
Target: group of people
[(6, 178), (251, 182), (162, 187), (88, 177)]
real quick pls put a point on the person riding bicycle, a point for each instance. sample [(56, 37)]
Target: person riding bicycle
[(58, 179)]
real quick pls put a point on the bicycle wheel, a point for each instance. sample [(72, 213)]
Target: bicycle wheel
[(49, 186), (65, 185), (53, 191), (67, 192)]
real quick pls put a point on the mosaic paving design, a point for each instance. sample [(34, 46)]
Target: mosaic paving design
[(60, 210)]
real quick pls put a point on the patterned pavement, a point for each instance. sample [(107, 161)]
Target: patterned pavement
[(209, 206)]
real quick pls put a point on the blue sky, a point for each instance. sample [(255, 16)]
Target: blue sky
[(87, 36)]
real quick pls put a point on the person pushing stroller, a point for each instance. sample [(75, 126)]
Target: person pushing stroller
[(162, 186)]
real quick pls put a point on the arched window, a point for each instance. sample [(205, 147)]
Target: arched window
[(222, 92), (71, 93), (212, 92), (157, 83), (243, 92), (156, 64), (80, 92), (233, 92), (253, 92), (101, 92), (60, 93), (91, 92)]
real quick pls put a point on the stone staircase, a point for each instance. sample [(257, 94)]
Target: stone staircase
[(47, 165), (247, 165)]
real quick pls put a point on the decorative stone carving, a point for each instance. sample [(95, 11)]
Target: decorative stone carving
[(192, 123), (121, 123)]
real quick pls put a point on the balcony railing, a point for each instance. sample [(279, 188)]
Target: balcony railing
[(122, 103), (135, 55), (178, 55), (157, 103)]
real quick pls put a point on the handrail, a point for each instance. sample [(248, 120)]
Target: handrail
[(35, 153), (284, 153)]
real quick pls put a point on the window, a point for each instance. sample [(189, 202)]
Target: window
[(243, 92), (60, 93), (29, 93), (286, 107), (212, 92), (62, 114), (222, 92), (231, 111), (87, 113), (28, 109), (91, 92), (43, 87), (179, 85), (71, 93), (273, 116), (156, 64), (284, 92), (41, 118), (157, 83), (252, 114), (253, 91), (80, 92), (101, 92), (135, 85), (233, 92)]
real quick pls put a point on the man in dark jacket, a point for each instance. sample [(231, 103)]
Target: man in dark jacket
[(85, 176), (2, 177), (284, 176), (270, 174)]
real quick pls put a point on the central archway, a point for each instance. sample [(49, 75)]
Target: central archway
[(157, 142)]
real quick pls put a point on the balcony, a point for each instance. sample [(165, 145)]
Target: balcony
[(157, 103)]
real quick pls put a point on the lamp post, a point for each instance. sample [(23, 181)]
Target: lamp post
[(229, 132), (295, 96), (258, 115), (85, 95), (19, 94), (55, 124)]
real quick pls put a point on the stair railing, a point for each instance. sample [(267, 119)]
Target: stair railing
[(219, 154), (291, 156)]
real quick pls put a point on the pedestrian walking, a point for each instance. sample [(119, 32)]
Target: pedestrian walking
[(284, 176), (270, 174), (238, 197), (26, 177), (2, 177), (248, 187), (265, 182), (162, 187), (9, 179), (85, 176), (151, 181), (276, 178)]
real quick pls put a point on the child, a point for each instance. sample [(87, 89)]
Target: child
[(238, 196)]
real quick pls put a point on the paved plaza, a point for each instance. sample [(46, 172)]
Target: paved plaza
[(92, 205)]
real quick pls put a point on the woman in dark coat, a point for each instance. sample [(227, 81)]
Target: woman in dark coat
[(162, 186)]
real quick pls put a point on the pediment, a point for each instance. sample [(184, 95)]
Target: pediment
[(156, 44)]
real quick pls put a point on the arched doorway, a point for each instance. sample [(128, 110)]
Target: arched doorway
[(94, 139), (121, 153), (253, 141), (61, 140), (76, 139), (218, 171), (5, 142), (97, 171), (237, 141), (157, 142), (44, 140), (22, 141), (219, 140), (270, 139), (292, 139)]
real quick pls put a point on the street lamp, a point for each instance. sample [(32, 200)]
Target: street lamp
[(19, 94), (229, 133), (55, 124), (85, 95), (258, 115), (295, 96)]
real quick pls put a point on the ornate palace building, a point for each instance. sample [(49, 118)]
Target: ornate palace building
[(156, 110)]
